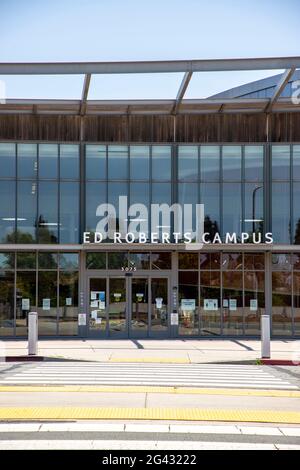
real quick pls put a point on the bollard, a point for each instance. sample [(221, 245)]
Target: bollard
[(32, 333), (265, 337)]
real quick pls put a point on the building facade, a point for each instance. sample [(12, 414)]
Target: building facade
[(56, 167)]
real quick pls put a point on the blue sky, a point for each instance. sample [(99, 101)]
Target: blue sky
[(108, 30)]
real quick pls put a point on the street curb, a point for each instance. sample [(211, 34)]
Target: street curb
[(24, 358), (279, 362)]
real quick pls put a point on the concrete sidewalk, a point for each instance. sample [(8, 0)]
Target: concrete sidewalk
[(177, 351)]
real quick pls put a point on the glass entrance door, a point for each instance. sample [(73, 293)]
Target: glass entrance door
[(139, 307), (117, 309), (128, 307)]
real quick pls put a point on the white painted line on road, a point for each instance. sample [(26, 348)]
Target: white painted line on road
[(135, 445), (260, 430), (291, 432), (149, 428), (204, 429)]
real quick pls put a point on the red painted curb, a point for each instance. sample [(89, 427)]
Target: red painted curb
[(24, 358), (279, 362)]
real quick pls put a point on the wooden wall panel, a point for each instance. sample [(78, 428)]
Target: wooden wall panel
[(283, 127), (31, 127), (105, 128)]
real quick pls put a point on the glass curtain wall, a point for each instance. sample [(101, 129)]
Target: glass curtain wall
[(142, 173), (45, 282), (39, 185), (229, 181)]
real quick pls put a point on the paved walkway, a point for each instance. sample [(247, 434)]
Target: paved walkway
[(177, 351)]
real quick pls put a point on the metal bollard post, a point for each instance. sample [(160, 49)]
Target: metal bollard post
[(32, 333), (265, 337)]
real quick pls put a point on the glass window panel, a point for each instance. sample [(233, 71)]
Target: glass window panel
[(254, 285), (210, 311), (115, 190), (26, 260), (296, 303), (140, 260), (254, 208), (68, 261), (188, 303), (281, 303), (188, 194), (68, 304), (187, 162), (6, 303), (48, 160), (48, 212), (98, 313), (188, 260), (232, 163), (7, 260), (117, 307), (159, 309), (25, 299), (296, 213), (96, 260), (210, 197), (95, 161), (7, 160), (232, 304), (296, 162), (280, 162), (27, 160), (69, 161), (281, 262), (47, 260), (139, 162), (210, 261), (69, 212), (232, 261), (26, 211), (254, 162), (161, 193), (47, 302), (7, 211), (140, 306), (117, 260), (295, 259), (255, 261), (117, 162), (95, 195), (232, 208), (210, 162), (281, 212), (139, 194), (161, 260), (161, 162)]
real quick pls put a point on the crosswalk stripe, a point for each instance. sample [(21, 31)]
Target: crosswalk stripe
[(137, 374)]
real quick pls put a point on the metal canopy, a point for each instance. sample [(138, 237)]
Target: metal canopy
[(177, 106)]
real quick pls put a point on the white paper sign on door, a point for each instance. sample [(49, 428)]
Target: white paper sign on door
[(253, 304), (25, 304), (46, 304), (188, 304), (159, 301), (210, 304), (232, 304), (174, 319), (81, 319)]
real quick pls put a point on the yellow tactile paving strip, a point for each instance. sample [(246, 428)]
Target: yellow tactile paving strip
[(149, 389), (178, 414)]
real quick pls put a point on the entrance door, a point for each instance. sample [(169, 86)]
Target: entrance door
[(128, 307)]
